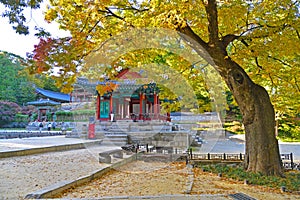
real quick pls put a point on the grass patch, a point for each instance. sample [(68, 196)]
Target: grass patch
[(289, 139), (234, 127), (291, 181)]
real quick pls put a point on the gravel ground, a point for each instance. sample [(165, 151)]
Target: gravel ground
[(135, 179), (23, 175)]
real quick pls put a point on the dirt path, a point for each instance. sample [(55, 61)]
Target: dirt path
[(156, 178)]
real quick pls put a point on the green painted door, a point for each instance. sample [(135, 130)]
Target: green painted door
[(104, 109)]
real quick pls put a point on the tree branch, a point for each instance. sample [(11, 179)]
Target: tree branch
[(194, 41), (114, 15), (298, 34), (268, 30), (111, 13), (97, 22), (227, 39), (296, 83), (258, 65), (187, 30), (281, 61), (86, 22), (212, 17)]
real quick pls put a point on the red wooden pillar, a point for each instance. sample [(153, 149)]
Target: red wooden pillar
[(110, 104), (158, 107), (98, 107), (155, 106), (141, 106)]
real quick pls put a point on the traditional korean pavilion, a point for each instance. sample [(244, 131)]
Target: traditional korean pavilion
[(128, 99), (47, 102)]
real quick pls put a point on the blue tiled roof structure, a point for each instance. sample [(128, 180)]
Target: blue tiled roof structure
[(43, 102), (56, 96)]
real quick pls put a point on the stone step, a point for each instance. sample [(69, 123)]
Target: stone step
[(114, 142)]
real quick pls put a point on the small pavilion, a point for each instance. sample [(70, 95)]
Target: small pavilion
[(126, 99), (44, 106), (48, 101)]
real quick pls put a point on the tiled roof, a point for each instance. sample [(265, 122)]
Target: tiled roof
[(43, 102), (130, 75), (56, 96)]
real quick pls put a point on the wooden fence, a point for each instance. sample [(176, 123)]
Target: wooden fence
[(287, 159)]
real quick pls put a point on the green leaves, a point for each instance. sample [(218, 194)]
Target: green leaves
[(14, 11), (14, 84)]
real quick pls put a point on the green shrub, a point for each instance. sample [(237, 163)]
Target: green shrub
[(21, 118), (77, 115), (289, 130), (291, 180), (8, 111)]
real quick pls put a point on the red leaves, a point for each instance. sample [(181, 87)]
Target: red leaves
[(41, 52)]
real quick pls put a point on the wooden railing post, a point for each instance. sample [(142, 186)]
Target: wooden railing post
[(292, 163)]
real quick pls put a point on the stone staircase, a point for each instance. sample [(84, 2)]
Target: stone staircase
[(80, 130), (115, 134), (121, 133)]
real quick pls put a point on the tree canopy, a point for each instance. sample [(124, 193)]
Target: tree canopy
[(16, 85), (262, 36)]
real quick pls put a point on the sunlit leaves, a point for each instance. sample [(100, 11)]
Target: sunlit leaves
[(267, 47)]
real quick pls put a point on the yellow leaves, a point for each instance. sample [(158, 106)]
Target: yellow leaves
[(91, 24), (232, 17), (50, 15)]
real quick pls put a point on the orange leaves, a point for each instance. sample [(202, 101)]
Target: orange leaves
[(108, 87)]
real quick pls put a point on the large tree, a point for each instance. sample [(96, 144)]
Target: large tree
[(246, 41)]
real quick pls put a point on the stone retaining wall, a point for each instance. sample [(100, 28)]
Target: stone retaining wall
[(10, 134), (26, 152)]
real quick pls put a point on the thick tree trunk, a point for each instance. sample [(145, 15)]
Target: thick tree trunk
[(262, 151)]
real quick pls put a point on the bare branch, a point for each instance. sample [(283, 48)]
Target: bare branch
[(268, 30), (135, 9), (281, 61), (97, 22), (298, 34), (258, 65), (109, 12), (114, 15)]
